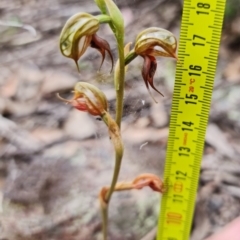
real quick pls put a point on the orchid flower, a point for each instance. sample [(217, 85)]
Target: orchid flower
[(151, 43), (78, 34), (88, 98)]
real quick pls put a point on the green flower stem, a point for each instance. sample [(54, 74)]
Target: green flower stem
[(118, 157), (117, 26), (119, 110), (115, 136), (117, 167), (120, 83), (119, 77), (104, 221), (119, 86), (131, 55), (103, 18)]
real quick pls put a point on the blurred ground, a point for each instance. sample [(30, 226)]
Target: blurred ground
[(54, 159)]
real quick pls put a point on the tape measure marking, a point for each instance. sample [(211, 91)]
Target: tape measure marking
[(198, 51)]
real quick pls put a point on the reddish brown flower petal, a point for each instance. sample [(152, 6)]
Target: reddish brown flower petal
[(77, 102), (80, 104), (148, 72), (101, 45)]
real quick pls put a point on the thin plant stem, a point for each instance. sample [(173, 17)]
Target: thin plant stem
[(120, 77), (120, 84), (104, 220), (118, 161), (117, 142), (119, 110)]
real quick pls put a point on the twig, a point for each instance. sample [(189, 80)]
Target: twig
[(29, 28)]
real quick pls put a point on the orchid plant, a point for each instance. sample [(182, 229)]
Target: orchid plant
[(79, 33)]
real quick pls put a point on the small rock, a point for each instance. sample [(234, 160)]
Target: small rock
[(47, 135), (63, 150), (24, 84), (158, 115), (215, 202), (9, 89), (218, 140), (232, 71), (57, 81), (135, 135), (79, 125), (233, 191), (142, 122)]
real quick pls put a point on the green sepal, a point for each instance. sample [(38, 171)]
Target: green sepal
[(117, 18), (101, 5)]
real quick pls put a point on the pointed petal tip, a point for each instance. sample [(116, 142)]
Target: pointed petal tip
[(152, 96), (110, 54), (148, 72), (103, 57), (62, 99), (102, 51), (176, 57), (153, 87), (102, 46), (76, 62), (179, 62)]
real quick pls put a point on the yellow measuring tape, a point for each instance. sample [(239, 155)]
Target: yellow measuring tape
[(198, 52)]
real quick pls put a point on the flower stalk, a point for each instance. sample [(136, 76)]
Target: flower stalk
[(117, 26)]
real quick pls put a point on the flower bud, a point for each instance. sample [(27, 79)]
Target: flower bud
[(150, 180), (89, 99), (141, 181)]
